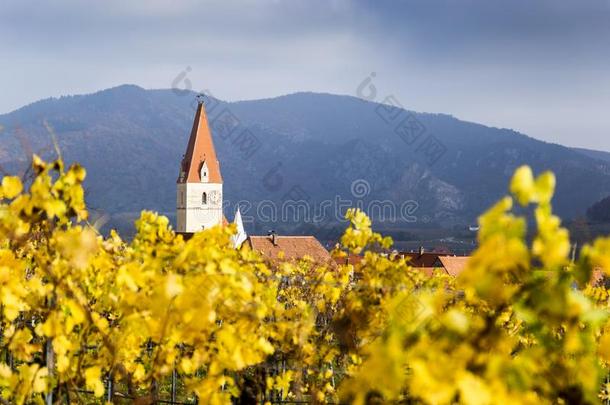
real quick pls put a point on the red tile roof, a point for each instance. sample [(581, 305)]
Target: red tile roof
[(454, 265), (288, 248), (351, 258), (200, 149)]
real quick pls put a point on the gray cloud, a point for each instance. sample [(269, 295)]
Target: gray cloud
[(541, 67)]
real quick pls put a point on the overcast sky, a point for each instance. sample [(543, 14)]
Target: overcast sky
[(540, 67)]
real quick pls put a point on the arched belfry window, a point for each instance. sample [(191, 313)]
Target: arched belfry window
[(204, 198)]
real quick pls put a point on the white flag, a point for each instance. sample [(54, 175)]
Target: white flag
[(240, 236)]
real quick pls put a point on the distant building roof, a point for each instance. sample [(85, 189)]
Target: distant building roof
[(200, 149), (454, 265), (288, 248), (441, 250), (426, 259), (351, 258)]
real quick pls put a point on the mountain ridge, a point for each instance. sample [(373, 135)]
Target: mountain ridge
[(131, 141)]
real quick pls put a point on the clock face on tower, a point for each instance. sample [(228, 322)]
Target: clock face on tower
[(215, 197)]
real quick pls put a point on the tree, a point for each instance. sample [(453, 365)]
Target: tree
[(79, 311), (600, 211)]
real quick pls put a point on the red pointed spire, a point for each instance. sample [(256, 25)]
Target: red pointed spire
[(200, 149)]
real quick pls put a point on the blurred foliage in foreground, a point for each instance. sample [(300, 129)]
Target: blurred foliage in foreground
[(522, 324)]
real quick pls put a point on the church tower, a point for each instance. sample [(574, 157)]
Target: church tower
[(199, 185)]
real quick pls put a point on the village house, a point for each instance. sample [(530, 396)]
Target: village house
[(277, 249)]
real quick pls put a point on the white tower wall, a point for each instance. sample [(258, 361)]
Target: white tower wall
[(196, 213)]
